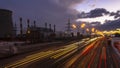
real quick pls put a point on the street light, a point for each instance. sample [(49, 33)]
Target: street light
[(74, 26), (93, 29), (87, 30), (83, 25), (96, 31), (28, 32)]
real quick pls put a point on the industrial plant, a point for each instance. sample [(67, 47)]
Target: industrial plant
[(6, 24)]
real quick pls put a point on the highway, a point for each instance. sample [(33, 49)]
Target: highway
[(87, 53)]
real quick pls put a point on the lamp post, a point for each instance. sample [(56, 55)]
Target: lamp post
[(74, 26), (87, 30), (82, 27), (93, 30)]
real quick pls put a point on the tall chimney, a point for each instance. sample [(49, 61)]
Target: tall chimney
[(15, 29), (45, 24), (21, 27), (54, 27), (28, 23), (34, 23), (50, 26)]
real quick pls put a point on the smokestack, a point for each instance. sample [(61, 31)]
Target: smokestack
[(15, 26), (69, 20), (15, 29), (50, 26), (34, 23), (54, 27), (45, 24), (21, 27), (28, 23)]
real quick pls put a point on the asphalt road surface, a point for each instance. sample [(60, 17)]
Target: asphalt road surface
[(87, 53)]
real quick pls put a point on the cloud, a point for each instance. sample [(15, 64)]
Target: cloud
[(108, 20), (92, 5), (93, 13), (110, 25), (116, 14), (67, 3), (98, 15), (101, 19)]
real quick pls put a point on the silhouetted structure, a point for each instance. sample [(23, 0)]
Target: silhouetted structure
[(28, 23), (21, 27), (6, 25), (45, 24), (37, 34), (15, 30), (34, 23), (69, 26), (50, 26), (68, 29), (54, 28)]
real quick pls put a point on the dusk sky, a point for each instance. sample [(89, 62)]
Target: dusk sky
[(57, 11), (110, 5)]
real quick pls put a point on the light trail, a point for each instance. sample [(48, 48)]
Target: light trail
[(52, 54), (85, 51)]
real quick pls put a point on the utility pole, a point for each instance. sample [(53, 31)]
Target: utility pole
[(68, 27)]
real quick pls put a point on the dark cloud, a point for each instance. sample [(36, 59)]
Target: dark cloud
[(109, 25), (68, 3), (94, 13), (117, 14), (51, 11), (98, 12)]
